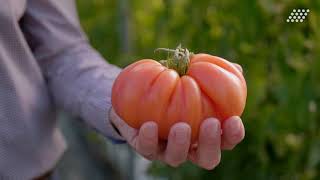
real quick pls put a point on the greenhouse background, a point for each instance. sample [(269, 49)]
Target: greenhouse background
[(281, 63)]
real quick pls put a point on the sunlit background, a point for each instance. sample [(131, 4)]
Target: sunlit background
[(281, 63)]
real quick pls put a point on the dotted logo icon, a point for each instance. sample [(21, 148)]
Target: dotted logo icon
[(298, 15)]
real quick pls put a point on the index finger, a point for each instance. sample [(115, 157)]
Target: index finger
[(125, 130)]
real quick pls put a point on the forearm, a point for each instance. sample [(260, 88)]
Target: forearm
[(81, 82), (79, 79)]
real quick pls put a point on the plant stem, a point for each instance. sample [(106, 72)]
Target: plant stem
[(179, 61)]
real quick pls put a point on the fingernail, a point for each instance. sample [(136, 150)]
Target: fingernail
[(213, 129), (150, 131), (235, 126), (182, 134)]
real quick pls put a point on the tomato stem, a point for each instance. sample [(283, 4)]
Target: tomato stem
[(179, 61)]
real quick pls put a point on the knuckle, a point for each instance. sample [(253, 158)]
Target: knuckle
[(211, 142), (147, 152), (210, 165), (229, 147), (217, 160), (145, 144), (242, 136), (148, 144), (237, 138), (174, 162)]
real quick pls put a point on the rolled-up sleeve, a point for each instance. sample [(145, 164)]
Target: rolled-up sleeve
[(79, 79)]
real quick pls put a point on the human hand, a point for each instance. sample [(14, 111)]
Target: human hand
[(206, 153)]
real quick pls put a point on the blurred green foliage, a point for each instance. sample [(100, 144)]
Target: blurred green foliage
[(281, 63)]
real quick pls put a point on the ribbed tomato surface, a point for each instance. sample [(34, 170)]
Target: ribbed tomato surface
[(148, 91)]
